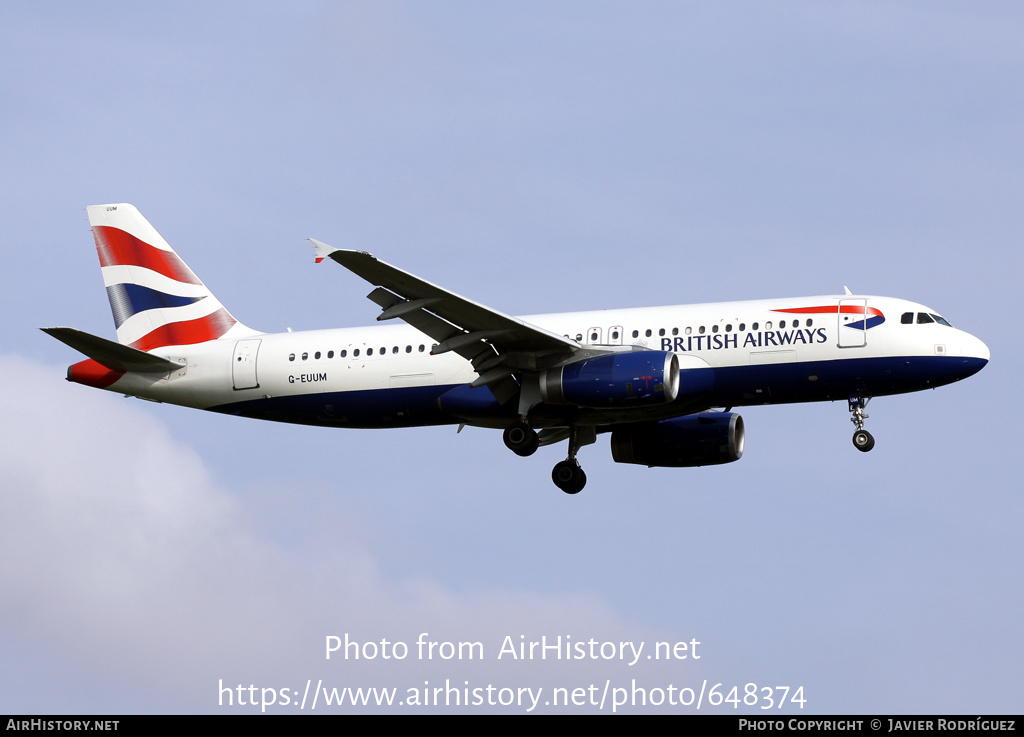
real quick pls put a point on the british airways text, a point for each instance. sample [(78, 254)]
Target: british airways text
[(690, 343)]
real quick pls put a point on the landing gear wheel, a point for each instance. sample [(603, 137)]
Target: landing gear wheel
[(521, 439), (569, 477), (863, 441)]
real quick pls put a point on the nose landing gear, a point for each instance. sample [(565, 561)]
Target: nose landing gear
[(862, 439)]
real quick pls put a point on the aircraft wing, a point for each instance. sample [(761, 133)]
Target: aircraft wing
[(497, 344)]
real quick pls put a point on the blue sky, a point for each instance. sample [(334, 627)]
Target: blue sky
[(536, 158)]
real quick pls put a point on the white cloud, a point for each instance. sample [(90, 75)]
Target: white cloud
[(130, 570)]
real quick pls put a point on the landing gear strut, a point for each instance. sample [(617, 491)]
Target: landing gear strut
[(567, 474), (862, 439), (521, 439)]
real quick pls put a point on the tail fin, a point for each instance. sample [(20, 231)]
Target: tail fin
[(156, 299)]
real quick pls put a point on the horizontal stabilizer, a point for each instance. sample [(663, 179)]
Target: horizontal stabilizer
[(114, 356)]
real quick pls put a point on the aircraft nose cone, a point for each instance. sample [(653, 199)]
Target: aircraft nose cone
[(974, 355), (977, 349)]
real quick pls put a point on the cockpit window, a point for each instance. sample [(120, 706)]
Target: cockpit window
[(924, 318)]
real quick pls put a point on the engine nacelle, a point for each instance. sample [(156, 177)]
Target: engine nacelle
[(614, 380), (706, 439)]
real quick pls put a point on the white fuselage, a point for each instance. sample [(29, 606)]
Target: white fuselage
[(762, 351)]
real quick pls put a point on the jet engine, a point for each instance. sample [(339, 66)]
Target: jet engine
[(705, 439), (614, 380)]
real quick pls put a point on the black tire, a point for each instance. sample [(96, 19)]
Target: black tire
[(863, 441), (569, 477), (581, 481), (521, 439)]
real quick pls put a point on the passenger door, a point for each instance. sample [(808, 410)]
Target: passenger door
[(853, 323), (243, 364)]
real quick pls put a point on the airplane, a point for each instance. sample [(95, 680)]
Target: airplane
[(661, 380)]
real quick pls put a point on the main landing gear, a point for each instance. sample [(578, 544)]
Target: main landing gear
[(568, 476), (862, 439), (523, 440)]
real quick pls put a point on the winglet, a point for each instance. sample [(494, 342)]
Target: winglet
[(322, 249)]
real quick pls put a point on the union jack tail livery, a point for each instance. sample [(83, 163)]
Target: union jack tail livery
[(155, 297)]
